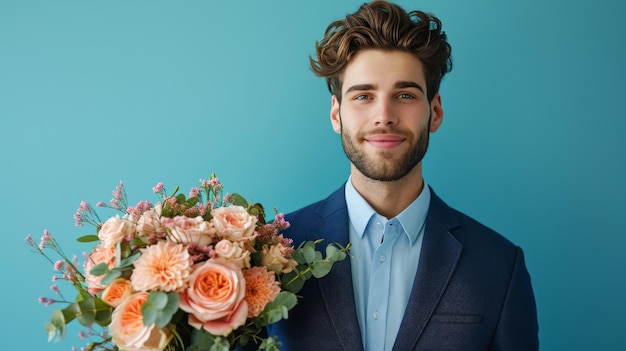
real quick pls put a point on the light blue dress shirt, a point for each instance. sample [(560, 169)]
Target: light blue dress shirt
[(384, 258)]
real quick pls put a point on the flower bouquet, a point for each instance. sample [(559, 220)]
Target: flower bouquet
[(197, 272)]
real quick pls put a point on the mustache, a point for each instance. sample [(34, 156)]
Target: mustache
[(387, 130)]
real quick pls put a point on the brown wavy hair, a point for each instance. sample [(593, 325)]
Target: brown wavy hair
[(387, 26)]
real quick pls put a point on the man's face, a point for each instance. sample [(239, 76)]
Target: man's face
[(385, 117)]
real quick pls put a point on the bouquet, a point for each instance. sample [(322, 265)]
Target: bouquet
[(198, 272)]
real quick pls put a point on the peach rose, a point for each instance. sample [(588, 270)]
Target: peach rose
[(99, 254), (234, 223), (234, 252), (119, 289), (215, 297), (274, 259), (115, 229), (128, 331), (164, 266), (150, 222), (186, 230)]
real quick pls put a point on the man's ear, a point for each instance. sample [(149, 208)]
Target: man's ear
[(335, 115), (436, 113)]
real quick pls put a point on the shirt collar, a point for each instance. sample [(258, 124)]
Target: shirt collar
[(411, 218)]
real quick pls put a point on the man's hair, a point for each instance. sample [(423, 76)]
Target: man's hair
[(386, 26)]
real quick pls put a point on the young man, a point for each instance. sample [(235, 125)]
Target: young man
[(421, 275)]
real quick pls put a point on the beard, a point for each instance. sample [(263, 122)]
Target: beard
[(385, 166)]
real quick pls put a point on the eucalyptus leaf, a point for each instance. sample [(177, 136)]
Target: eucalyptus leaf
[(114, 274), (320, 268), (201, 340), (334, 254), (56, 328), (100, 269), (309, 254), (159, 308), (129, 260), (87, 312), (88, 238)]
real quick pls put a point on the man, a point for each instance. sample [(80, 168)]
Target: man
[(421, 275)]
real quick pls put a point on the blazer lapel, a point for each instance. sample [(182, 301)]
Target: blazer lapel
[(336, 287), (438, 260)]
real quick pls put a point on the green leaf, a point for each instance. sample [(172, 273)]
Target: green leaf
[(129, 260), (111, 276), (201, 340), (180, 198), (278, 309), (88, 238), (292, 281), (87, 313), (334, 254), (100, 269), (321, 268), (309, 253), (56, 327), (238, 200), (191, 202), (159, 308)]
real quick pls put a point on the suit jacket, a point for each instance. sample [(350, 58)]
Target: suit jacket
[(471, 292)]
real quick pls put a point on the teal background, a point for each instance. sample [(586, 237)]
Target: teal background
[(532, 144)]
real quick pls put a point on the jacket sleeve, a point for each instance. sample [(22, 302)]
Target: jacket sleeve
[(518, 328)]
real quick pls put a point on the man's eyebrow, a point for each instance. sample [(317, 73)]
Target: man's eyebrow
[(409, 84), (398, 85), (360, 87)]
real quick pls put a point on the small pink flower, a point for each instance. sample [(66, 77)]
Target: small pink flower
[(157, 188), (194, 192), (58, 265), (100, 204)]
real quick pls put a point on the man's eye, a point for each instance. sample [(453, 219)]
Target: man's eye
[(362, 97), (406, 96)]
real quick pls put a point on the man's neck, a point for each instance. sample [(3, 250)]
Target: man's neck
[(389, 198)]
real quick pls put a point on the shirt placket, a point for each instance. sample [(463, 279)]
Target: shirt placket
[(379, 284)]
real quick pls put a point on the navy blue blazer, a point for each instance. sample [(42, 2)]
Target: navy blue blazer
[(472, 290)]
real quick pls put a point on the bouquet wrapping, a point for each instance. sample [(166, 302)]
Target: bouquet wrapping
[(199, 272)]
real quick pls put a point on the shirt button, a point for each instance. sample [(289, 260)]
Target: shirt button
[(382, 258), (376, 315)]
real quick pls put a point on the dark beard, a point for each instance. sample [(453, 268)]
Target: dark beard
[(390, 169)]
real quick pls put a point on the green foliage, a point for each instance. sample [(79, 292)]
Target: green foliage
[(201, 340), (87, 310), (88, 238), (238, 200), (159, 308), (312, 263)]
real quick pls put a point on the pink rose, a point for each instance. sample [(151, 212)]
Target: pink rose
[(128, 331), (275, 259), (186, 230), (233, 252), (115, 229), (215, 297), (234, 223)]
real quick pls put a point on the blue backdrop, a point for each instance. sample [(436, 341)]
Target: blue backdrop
[(94, 92)]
